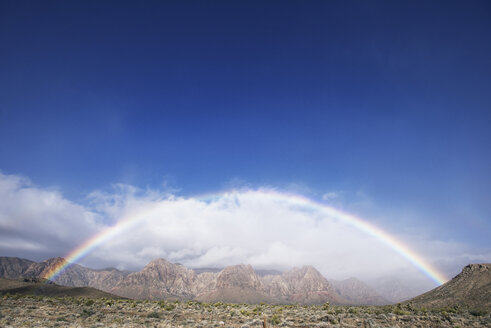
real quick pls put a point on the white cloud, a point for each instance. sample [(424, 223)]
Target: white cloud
[(265, 228), (330, 195), (38, 221)]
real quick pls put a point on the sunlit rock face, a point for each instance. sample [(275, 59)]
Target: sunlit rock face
[(159, 279), (303, 285)]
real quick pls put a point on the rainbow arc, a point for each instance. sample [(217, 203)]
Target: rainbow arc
[(382, 236)]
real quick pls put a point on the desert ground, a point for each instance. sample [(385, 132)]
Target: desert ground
[(42, 311)]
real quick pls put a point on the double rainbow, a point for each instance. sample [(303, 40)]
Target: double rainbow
[(284, 198)]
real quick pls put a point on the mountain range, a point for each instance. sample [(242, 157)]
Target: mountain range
[(161, 279)]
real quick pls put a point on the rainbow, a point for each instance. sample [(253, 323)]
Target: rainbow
[(292, 200)]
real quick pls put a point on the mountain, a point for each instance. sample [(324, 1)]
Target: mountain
[(259, 272), (13, 267), (470, 288), (39, 287), (235, 284), (303, 285), (400, 286), (357, 292), (74, 276), (161, 279)]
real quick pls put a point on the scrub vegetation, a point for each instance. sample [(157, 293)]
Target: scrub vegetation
[(44, 311)]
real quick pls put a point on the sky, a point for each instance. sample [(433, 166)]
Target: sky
[(380, 109)]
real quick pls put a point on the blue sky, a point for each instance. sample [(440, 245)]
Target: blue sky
[(385, 104)]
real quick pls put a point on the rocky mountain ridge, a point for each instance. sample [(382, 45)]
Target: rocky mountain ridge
[(471, 287), (161, 279)]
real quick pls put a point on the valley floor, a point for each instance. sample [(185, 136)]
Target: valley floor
[(37, 311)]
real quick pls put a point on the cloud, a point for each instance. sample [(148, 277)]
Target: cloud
[(38, 222), (263, 227), (330, 195)]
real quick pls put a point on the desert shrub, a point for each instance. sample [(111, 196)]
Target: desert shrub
[(77, 301), (89, 302), (399, 311), (326, 306), (378, 310), (118, 321), (353, 310), (245, 313), (478, 312), (387, 309), (338, 310), (153, 315), (169, 307), (275, 320), (87, 312), (452, 309), (445, 315)]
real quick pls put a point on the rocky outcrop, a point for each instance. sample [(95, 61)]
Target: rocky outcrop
[(13, 267), (276, 286), (76, 275), (470, 288), (236, 284), (159, 279), (105, 279), (306, 285)]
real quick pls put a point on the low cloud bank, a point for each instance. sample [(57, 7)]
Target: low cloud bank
[(261, 227)]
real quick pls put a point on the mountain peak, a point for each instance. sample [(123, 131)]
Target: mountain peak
[(472, 268), (158, 262), (241, 275)]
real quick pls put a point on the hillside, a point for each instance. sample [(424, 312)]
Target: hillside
[(42, 288), (470, 288)]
